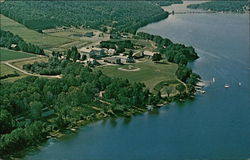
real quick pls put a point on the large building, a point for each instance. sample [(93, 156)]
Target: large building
[(93, 52), (113, 60)]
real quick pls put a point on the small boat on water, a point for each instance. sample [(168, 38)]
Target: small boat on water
[(239, 83), (226, 86), (201, 91), (213, 79)]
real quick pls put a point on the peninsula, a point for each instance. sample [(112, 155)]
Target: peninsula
[(82, 71)]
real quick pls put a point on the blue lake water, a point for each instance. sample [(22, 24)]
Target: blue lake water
[(214, 126)]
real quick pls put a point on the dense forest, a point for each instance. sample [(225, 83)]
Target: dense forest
[(11, 41), (225, 6), (125, 16)]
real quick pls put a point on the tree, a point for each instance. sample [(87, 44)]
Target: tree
[(6, 122), (120, 50), (156, 57), (180, 88), (130, 54), (84, 57), (168, 90), (36, 110), (158, 96)]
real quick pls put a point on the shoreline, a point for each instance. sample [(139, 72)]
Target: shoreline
[(75, 126), (70, 130)]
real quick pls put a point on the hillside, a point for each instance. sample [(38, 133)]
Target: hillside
[(120, 15)]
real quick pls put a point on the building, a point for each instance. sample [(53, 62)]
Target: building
[(148, 53), (139, 55), (130, 60), (111, 52), (91, 61), (113, 60), (93, 52), (85, 50), (115, 36), (88, 34), (13, 46), (101, 94), (97, 52)]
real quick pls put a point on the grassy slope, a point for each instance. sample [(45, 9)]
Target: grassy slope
[(4, 69), (31, 36), (6, 54), (150, 73)]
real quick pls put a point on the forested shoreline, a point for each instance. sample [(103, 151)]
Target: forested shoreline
[(122, 16), (73, 98), (239, 6)]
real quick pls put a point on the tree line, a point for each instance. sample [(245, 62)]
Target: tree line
[(11, 41), (239, 6)]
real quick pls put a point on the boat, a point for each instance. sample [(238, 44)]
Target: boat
[(226, 86), (213, 79), (239, 83), (201, 91)]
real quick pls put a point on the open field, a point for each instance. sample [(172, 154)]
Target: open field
[(150, 73), (4, 70), (58, 39), (31, 36), (6, 54)]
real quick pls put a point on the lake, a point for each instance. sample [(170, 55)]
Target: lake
[(214, 126)]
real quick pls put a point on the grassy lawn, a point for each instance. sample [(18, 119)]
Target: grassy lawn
[(31, 36), (150, 73), (4, 70), (146, 44), (6, 54)]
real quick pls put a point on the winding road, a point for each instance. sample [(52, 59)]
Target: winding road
[(8, 63)]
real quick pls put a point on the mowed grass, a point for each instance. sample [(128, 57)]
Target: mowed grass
[(6, 54), (4, 70), (43, 40), (150, 73)]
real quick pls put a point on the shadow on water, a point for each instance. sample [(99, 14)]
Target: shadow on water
[(126, 120), (113, 122), (155, 112), (104, 122)]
